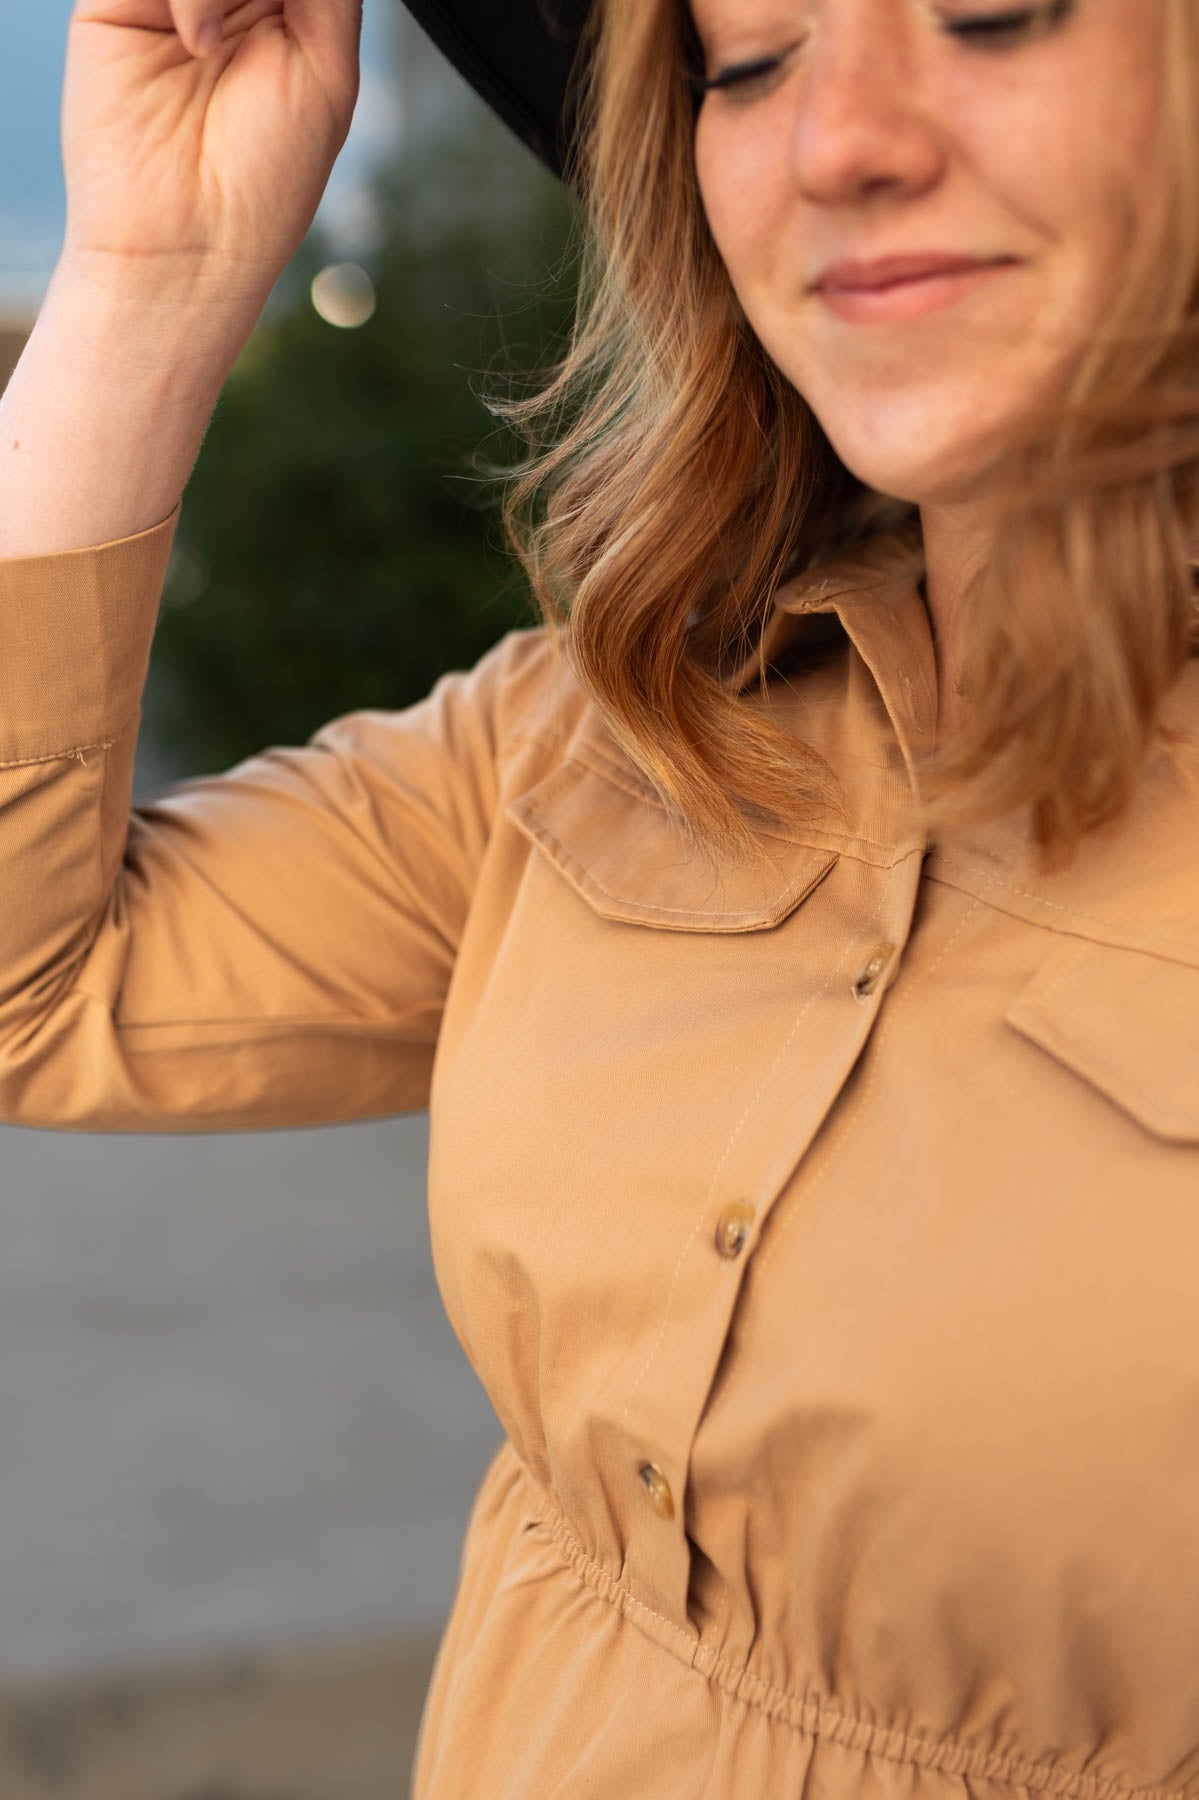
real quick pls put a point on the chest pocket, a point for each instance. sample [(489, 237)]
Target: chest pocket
[(1127, 1022), (616, 845)]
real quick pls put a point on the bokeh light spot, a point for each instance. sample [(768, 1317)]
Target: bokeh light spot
[(344, 295)]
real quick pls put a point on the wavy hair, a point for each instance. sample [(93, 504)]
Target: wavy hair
[(674, 478)]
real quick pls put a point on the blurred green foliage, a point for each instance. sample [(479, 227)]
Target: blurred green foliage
[(337, 548)]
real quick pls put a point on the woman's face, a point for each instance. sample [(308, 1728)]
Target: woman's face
[(1029, 140)]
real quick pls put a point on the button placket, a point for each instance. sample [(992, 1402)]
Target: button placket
[(732, 1231), (667, 1402)]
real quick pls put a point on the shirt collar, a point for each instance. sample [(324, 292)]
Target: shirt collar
[(875, 597), (869, 709), (876, 711)]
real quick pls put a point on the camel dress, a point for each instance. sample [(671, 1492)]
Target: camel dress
[(825, 1236)]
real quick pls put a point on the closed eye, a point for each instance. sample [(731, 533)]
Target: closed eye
[(738, 75), (989, 30), (998, 30)]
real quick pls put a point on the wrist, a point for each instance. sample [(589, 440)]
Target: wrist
[(107, 409), (176, 329)]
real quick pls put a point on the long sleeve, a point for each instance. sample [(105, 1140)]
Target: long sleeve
[(263, 948)]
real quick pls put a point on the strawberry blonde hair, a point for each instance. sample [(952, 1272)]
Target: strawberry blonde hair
[(675, 478)]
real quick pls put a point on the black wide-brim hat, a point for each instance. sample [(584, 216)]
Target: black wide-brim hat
[(518, 55)]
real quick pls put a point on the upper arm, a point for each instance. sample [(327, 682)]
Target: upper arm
[(266, 947)]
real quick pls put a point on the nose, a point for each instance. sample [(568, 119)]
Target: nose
[(863, 122)]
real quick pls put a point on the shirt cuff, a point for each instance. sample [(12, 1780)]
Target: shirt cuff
[(75, 634)]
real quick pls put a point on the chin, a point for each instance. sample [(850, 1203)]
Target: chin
[(925, 443), (945, 474)]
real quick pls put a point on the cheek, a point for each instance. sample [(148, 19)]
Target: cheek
[(742, 186), (1086, 199), (1079, 176), (1128, 167)]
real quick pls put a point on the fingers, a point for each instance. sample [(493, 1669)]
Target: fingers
[(330, 30), (199, 24)]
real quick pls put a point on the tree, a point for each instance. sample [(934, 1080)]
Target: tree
[(337, 548)]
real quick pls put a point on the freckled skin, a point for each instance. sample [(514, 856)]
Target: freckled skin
[(880, 133)]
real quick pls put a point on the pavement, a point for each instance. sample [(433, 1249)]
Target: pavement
[(335, 1723)]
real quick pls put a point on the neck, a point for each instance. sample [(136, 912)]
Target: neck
[(955, 548)]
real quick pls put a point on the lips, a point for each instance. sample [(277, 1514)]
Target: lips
[(852, 275)]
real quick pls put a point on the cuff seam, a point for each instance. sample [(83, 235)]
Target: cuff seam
[(76, 750)]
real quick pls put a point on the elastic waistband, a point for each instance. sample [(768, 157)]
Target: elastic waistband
[(814, 1718)]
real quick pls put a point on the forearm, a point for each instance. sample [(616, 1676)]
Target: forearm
[(104, 416)]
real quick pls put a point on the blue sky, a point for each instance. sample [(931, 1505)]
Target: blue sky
[(32, 200)]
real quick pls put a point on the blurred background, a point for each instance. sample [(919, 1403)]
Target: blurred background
[(239, 1439)]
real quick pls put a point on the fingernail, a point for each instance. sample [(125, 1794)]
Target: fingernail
[(208, 38)]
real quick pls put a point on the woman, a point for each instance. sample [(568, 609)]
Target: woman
[(795, 939)]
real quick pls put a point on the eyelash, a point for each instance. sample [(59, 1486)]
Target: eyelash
[(992, 31)]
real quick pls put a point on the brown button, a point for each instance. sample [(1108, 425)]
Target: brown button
[(732, 1228), (658, 1489), (871, 971)]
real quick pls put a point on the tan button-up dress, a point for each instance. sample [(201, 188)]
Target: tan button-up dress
[(827, 1240)]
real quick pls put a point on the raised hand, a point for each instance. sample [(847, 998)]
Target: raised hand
[(182, 160)]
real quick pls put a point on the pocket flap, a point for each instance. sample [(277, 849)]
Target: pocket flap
[(1126, 1021), (619, 849)]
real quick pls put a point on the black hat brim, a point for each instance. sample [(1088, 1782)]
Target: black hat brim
[(519, 56)]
